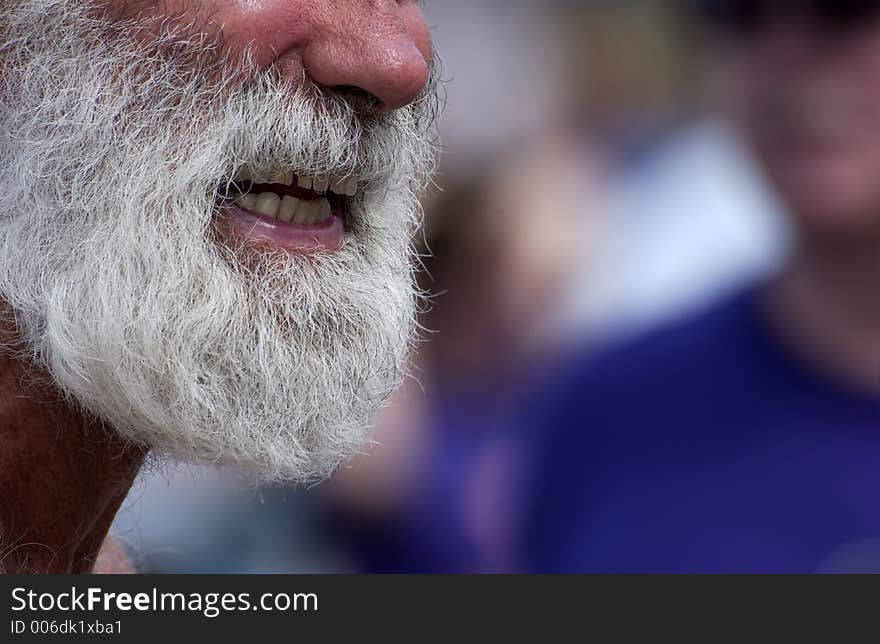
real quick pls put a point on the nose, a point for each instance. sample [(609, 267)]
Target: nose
[(374, 53)]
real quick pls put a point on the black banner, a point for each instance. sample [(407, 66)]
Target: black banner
[(256, 608)]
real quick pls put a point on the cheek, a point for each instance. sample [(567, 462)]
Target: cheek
[(265, 27)]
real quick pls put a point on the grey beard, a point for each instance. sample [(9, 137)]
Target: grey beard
[(112, 162)]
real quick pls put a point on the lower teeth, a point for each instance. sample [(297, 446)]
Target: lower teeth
[(289, 209)]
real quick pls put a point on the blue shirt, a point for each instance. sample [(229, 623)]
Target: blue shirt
[(432, 529), (704, 447)]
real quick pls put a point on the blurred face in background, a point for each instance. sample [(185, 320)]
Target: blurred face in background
[(805, 89)]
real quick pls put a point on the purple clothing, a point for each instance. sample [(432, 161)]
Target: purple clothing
[(704, 447)]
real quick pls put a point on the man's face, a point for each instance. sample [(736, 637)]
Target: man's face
[(806, 90), (206, 220)]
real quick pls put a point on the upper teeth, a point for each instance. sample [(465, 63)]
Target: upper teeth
[(341, 185), (289, 209)]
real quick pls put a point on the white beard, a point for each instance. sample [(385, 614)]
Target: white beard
[(111, 166)]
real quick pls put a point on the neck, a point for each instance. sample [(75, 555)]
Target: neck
[(63, 477), (827, 307)]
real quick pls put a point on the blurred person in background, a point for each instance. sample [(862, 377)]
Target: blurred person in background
[(556, 219), (632, 69), (422, 500), (743, 438)]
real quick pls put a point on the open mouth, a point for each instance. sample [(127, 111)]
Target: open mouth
[(290, 198), (294, 212)]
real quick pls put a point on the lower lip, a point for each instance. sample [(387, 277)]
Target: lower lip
[(264, 232)]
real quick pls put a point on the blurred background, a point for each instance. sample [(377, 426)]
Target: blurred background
[(590, 189)]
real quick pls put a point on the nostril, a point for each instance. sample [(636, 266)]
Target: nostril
[(362, 101)]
